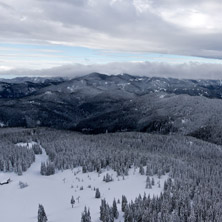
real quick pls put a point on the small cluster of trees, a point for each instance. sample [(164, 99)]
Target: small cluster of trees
[(15, 158), (37, 149), (47, 168), (107, 213), (86, 215), (149, 182), (107, 178)]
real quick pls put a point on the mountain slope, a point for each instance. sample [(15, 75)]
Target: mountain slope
[(97, 103)]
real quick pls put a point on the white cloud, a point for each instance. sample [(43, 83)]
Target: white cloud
[(192, 70), (5, 68)]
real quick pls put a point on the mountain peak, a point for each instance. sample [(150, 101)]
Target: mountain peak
[(95, 75)]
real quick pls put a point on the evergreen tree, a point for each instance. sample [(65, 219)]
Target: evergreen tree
[(41, 214), (72, 201), (10, 168), (148, 183), (43, 169), (124, 203), (108, 178), (115, 210), (102, 210), (97, 195), (106, 212), (141, 170), (50, 168), (86, 216), (152, 182), (128, 217), (19, 169)]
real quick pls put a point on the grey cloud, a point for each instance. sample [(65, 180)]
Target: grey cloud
[(117, 26), (70, 2), (6, 6), (187, 70)]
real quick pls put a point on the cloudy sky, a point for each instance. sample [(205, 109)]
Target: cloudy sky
[(180, 38)]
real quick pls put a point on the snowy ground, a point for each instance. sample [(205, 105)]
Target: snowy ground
[(55, 192), (28, 145)]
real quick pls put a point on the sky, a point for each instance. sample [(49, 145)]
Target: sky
[(176, 38)]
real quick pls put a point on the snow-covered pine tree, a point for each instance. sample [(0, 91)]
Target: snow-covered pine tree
[(128, 217), (115, 210), (43, 169), (141, 170), (72, 201), (124, 203), (37, 149), (106, 212), (152, 182), (108, 178), (19, 169), (50, 168), (41, 214), (148, 183), (86, 215), (97, 195)]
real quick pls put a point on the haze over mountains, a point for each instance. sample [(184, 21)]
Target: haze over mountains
[(98, 103)]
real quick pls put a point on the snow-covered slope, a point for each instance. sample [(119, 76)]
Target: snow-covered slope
[(55, 192)]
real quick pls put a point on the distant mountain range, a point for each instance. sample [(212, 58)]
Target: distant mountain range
[(98, 103)]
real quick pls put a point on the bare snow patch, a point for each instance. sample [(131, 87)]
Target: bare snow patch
[(184, 121), (29, 145), (48, 93)]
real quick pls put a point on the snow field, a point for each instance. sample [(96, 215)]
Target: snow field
[(54, 193)]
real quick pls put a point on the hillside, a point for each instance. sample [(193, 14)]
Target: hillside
[(98, 103), (160, 176)]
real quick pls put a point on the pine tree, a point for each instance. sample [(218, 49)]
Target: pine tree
[(72, 201), (86, 216), (50, 168), (128, 217), (41, 214), (141, 170), (115, 210), (148, 171), (108, 178), (19, 169), (43, 169), (148, 183), (152, 182), (124, 203), (97, 195), (102, 210), (106, 212), (10, 168)]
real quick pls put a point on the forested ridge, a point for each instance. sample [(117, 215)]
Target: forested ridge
[(97, 103)]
